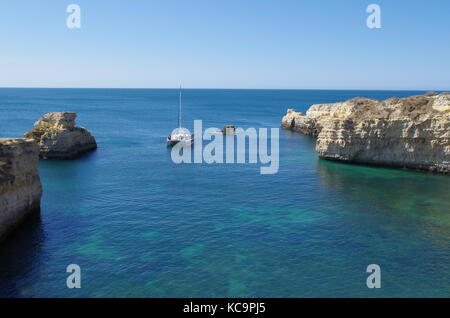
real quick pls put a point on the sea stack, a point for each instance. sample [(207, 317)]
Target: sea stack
[(59, 138), (411, 132), (20, 185)]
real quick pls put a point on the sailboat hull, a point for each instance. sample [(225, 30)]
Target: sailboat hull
[(173, 140)]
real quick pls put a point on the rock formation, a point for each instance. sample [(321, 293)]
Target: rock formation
[(411, 132), (59, 138), (20, 186)]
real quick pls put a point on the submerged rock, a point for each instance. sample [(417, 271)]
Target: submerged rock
[(59, 138), (411, 132), (20, 185)]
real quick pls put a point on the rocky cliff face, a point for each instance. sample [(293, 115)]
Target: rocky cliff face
[(59, 138), (20, 186), (409, 132)]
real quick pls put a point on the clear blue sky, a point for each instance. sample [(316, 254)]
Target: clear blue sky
[(291, 44)]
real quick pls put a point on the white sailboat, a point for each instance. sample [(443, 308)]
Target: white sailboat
[(180, 134)]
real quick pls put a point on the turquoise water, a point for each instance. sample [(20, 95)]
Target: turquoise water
[(140, 226)]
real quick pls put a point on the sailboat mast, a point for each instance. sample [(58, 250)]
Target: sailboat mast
[(179, 111)]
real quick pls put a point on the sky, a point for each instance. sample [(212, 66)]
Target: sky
[(258, 44)]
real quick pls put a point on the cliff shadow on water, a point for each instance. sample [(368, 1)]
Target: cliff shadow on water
[(299, 142), (20, 256), (396, 197)]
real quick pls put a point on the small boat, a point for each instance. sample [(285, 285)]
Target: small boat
[(229, 130), (180, 134)]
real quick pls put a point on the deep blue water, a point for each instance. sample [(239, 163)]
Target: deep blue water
[(141, 226)]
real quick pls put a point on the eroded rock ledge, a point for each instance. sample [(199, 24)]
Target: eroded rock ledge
[(59, 138), (411, 132), (20, 185)]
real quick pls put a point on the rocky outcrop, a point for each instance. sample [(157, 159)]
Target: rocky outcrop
[(20, 186), (59, 138), (297, 121), (409, 132)]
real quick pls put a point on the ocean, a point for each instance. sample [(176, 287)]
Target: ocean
[(139, 225)]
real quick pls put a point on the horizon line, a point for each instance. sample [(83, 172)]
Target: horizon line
[(221, 88)]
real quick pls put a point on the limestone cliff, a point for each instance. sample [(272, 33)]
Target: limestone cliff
[(20, 185), (59, 138), (409, 132)]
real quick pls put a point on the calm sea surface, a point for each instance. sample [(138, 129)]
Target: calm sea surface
[(141, 226)]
